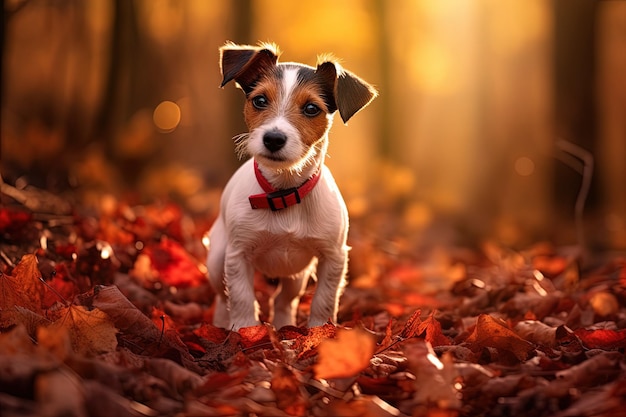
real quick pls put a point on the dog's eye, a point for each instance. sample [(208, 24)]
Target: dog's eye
[(260, 102), (311, 110)]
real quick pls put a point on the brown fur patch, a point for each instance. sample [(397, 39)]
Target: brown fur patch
[(311, 129)]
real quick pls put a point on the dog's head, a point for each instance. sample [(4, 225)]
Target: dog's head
[(289, 106)]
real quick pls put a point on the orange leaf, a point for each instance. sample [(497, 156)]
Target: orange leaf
[(10, 297), (91, 332), (412, 326), (27, 274), (288, 392), (254, 336), (345, 356), (432, 328), (306, 344), (387, 341), (490, 332)]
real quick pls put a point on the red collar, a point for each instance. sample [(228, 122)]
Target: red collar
[(280, 199)]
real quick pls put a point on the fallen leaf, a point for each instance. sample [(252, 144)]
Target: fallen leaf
[(27, 274), (432, 330), (491, 332), (346, 355), (136, 326), (10, 298), (174, 265), (180, 380), (307, 343), (91, 331), (60, 393), (602, 338), (288, 390), (254, 336), (412, 325), (536, 332)]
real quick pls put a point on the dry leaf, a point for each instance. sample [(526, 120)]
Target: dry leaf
[(288, 392), (432, 329), (346, 355), (60, 393), (412, 325), (27, 272), (22, 289), (91, 332), (491, 332), (136, 327), (536, 332)]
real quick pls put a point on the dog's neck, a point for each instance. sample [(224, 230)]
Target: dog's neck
[(294, 177)]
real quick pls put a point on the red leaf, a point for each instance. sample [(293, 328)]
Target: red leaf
[(432, 328), (602, 338), (254, 336), (491, 332), (306, 344), (174, 265), (211, 333), (412, 326)]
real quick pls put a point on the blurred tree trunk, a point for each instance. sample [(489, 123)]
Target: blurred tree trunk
[(574, 77), (385, 127), (242, 16), (115, 105), (611, 85)]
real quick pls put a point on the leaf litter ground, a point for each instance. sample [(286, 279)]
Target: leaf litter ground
[(108, 313)]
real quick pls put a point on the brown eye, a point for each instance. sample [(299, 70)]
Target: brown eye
[(311, 110), (260, 102)]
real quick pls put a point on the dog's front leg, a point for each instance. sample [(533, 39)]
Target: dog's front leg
[(331, 271), (239, 278)]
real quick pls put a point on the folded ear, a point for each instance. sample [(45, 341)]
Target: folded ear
[(350, 92), (246, 64)]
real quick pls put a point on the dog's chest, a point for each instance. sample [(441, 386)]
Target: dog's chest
[(282, 255)]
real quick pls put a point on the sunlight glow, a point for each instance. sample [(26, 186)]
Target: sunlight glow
[(432, 358), (524, 166), (166, 116)]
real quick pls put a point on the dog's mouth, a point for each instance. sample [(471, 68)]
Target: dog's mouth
[(273, 159)]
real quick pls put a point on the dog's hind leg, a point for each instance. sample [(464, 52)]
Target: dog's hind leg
[(284, 305)]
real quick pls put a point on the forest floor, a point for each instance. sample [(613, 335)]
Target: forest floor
[(107, 312)]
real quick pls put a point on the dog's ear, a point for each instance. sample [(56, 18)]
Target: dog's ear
[(246, 64), (350, 92)]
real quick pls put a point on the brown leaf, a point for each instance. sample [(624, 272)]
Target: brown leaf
[(91, 332), (288, 392), (60, 393), (537, 332), (346, 355), (491, 332), (136, 327)]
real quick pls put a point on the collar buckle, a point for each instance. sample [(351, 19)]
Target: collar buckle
[(286, 198)]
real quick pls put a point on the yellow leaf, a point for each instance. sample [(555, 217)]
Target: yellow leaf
[(345, 356)]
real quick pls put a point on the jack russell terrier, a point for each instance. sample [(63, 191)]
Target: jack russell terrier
[(281, 213)]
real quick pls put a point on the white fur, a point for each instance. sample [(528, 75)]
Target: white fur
[(291, 244), (289, 154)]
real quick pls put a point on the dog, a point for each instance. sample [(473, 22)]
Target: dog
[(281, 213)]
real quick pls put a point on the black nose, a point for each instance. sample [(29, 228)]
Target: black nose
[(274, 140)]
